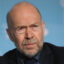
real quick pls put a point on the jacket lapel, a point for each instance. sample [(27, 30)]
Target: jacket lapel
[(46, 56)]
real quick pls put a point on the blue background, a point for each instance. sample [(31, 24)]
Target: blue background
[(52, 14)]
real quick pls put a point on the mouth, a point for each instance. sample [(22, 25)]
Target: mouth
[(30, 45)]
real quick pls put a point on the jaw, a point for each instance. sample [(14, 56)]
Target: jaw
[(30, 52)]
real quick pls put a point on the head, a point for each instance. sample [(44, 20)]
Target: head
[(25, 28)]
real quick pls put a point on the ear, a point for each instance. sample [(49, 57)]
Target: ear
[(43, 27), (9, 34)]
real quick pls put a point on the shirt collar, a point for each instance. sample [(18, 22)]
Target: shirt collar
[(37, 56), (21, 56)]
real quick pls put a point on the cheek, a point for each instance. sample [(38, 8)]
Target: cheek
[(19, 39), (39, 35)]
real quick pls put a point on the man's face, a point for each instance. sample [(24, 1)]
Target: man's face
[(28, 32)]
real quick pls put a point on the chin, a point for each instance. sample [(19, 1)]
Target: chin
[(31, 53)]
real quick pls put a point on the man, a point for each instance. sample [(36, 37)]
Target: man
[(26, 30)]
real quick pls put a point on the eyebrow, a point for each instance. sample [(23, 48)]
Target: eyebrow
[(23, 26)]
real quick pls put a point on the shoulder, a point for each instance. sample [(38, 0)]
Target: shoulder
[(56, 51), (54, 48), (9, 56), (52, 54)]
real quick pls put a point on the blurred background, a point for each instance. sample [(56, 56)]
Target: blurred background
[(52, 12)]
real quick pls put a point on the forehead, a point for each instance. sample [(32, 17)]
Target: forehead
[(25, 16), (25, 19)]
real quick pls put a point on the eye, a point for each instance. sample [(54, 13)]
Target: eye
[(35, 27), (20, 28)]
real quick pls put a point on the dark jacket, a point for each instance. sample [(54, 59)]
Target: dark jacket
[(50, 54)]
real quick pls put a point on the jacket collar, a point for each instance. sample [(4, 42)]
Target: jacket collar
[(46, 56)]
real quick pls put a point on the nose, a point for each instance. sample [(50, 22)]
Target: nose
[(29, 33)]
